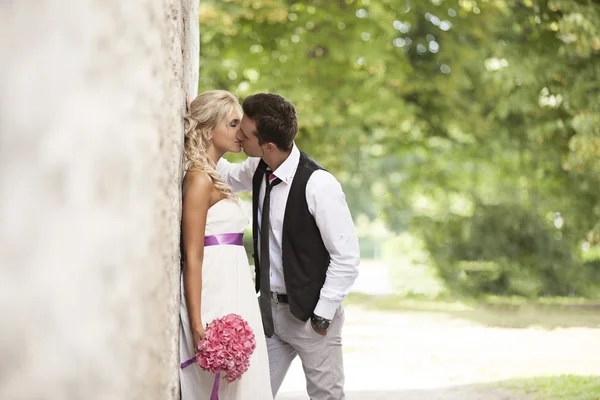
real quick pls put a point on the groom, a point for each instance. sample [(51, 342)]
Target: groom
[(306, 252)]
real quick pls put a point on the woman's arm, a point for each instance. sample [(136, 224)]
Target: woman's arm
[(238, 175), (198, 190)]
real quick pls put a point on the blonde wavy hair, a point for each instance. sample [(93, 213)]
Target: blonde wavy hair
[(207, 111)]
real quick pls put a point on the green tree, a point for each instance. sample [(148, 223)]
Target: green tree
[(445, 109)]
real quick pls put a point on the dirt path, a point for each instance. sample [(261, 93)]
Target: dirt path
[(434, 356)]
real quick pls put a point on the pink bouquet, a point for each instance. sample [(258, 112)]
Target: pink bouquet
[(227, 346)]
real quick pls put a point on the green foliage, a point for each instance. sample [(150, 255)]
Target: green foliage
[(436, 108), (410, 270), (506, 250)]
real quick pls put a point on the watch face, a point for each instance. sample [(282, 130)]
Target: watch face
[(322, 325)]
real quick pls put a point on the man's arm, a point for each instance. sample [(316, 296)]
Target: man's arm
[(238, 176), (327, 204)]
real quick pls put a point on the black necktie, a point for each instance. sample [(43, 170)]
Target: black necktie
[(265, 259)]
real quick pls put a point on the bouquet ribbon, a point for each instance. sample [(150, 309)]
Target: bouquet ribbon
[(215, 390)]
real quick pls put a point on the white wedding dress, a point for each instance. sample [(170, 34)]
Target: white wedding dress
[(227, 287)]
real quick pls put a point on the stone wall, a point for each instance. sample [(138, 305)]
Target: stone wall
[(91, 104)]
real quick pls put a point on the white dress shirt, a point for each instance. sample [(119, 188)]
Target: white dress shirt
[(327, 204)]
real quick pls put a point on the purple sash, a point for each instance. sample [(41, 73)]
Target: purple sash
[(234, 239)]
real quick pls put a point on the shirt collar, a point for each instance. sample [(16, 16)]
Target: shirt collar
[(287, 169)]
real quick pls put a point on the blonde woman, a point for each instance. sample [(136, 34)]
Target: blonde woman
[(216, 276)]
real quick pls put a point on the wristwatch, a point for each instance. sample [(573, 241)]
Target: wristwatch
[(320, 323)]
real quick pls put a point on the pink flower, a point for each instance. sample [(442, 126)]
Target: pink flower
[(227, 346)]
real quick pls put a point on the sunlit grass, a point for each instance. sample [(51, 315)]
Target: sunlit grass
[(417, 288), (500, 312), (563, 387), (404, 303)]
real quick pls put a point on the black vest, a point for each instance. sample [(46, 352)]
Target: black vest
[(305, 258)]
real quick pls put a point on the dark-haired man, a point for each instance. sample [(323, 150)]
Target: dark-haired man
[(306, 250)]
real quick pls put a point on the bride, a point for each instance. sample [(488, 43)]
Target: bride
[(216, 278)]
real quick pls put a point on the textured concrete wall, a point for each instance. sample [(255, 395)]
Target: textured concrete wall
[(91, 103)]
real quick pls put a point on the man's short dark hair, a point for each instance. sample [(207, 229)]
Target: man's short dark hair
[(275, 119)]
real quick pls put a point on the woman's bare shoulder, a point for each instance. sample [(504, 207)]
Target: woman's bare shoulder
[(198, 183)]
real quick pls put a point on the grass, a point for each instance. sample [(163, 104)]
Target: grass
[(418, 288), (563, 387), (499, 312)]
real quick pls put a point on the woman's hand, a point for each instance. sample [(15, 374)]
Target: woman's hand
[(198, 335)]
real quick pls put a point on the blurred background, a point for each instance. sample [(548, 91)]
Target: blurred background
[(466, 135)]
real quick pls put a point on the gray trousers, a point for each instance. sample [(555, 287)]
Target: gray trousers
[(321, 356)]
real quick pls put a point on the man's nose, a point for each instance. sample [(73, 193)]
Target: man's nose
[(239, 135)]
